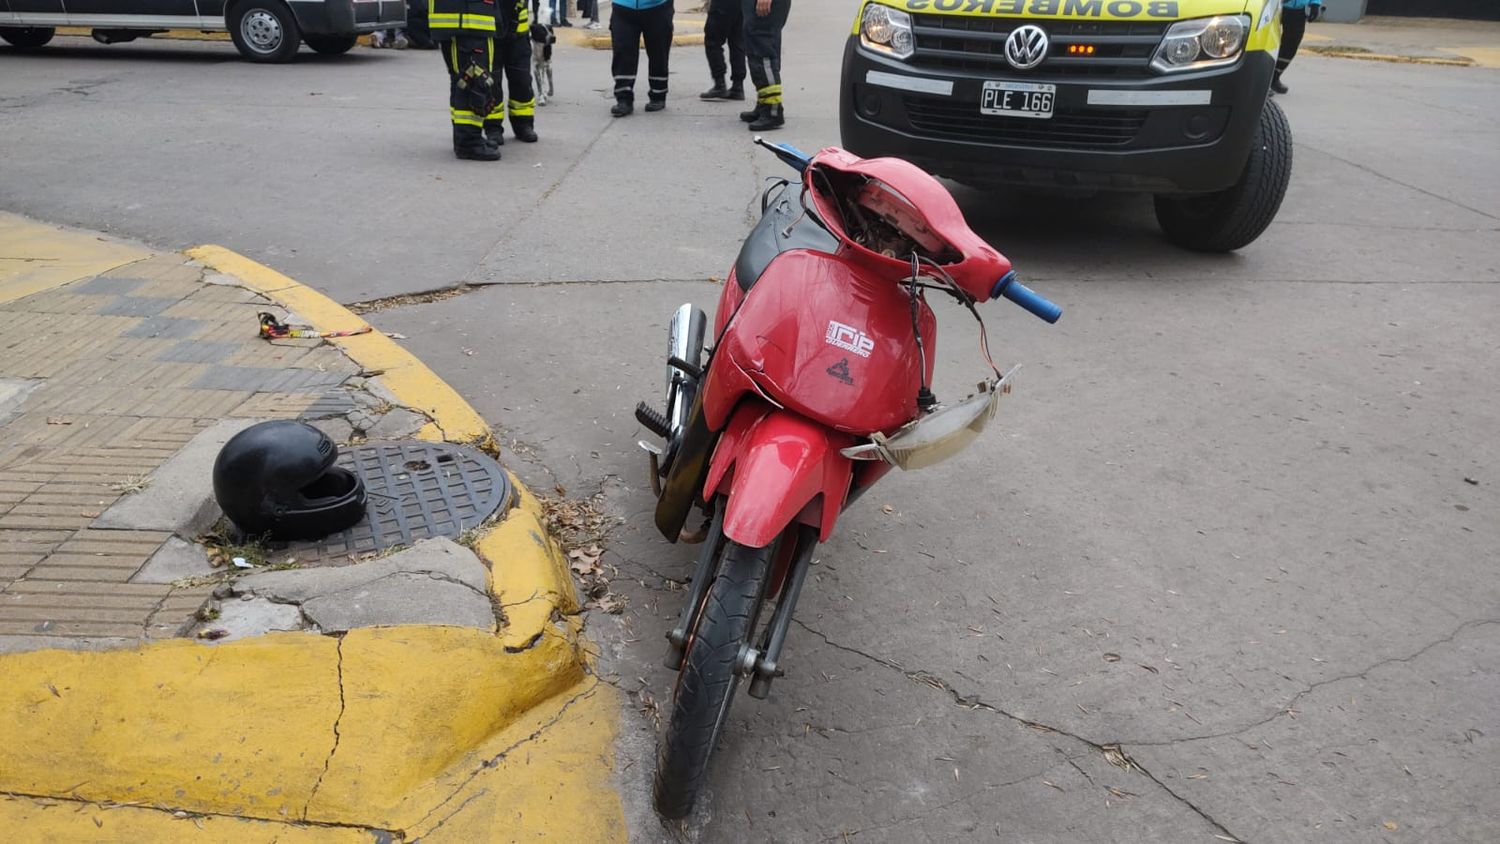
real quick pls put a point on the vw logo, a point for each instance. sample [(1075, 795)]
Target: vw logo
[(1026, 47)]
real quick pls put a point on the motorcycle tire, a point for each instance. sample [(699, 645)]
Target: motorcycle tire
[(707, 681)]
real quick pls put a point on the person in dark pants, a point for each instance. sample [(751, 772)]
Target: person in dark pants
[(1295, 16), (725, 27), (464, 30), (513, 54), (630, 21), (764, 20)]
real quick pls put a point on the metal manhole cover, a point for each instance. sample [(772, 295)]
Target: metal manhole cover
[(417, 490)]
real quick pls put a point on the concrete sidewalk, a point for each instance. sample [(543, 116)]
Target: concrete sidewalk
[(1417, 40), (438, 692)]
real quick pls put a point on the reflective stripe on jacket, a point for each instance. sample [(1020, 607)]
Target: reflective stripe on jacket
[(446, 17)]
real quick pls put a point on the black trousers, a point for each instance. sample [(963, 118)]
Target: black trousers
[(472, 90), (725, 27), (627, 28), (763, 49), (1293, 26), (513, 53)]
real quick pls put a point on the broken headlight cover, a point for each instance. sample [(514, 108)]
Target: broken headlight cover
[(938, 435)]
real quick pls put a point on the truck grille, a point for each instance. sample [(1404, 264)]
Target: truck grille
[(952, 42), (1076, 128)]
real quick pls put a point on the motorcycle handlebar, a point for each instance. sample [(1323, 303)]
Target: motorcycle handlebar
[(1039, 306), (794, 158)]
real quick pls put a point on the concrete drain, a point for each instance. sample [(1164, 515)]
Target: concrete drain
[(417, 490)]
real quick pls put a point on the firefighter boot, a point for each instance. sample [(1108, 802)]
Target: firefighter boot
[(525, 129), (718, 91), (771, 117), (469, 144), (753, 114), (494, 133)]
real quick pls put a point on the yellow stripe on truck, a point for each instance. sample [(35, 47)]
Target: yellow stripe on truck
[(1125, 10)]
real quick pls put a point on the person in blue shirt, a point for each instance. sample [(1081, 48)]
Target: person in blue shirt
[(630, 22), (1295, 15)]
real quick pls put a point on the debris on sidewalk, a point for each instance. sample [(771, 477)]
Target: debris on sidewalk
[(272, 328)]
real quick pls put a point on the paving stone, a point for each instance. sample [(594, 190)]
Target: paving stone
[(338, 429), (180, 498), (10, 644), (107, 286), (439, 556), (165, 328), (138, 306), (175, 560), (13, 392), (397, 424), (199, 351), (253, 617), (251, 379), (436, 581), (404, 598)]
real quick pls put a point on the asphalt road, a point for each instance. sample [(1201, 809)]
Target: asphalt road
[(1239, 518)]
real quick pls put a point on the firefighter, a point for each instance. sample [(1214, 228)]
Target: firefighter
[(513, 54), (1295, 16), (725, 27), (465, 32), (764, 20)]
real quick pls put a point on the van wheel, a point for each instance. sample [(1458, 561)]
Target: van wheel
[(264, 31), (1231, 219), (26, 37), (331, 45)]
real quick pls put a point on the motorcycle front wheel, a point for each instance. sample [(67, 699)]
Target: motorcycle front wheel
[(707, 681)]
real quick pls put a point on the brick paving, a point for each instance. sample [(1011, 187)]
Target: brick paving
[(128, 366)]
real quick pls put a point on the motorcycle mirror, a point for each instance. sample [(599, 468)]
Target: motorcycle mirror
[(794, 158)]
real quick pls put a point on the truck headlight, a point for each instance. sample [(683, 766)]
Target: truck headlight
[(887, 30), (1206, 42)]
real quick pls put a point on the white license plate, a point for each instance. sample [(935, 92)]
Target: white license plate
[(1018, 99)]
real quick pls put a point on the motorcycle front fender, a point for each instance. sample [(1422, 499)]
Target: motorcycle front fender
[(772, 464)]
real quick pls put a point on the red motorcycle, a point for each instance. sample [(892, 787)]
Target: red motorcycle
[(817, 385)]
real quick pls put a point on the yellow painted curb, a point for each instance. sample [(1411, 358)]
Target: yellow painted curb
[(36, 256), (420, 731), (402, 373), (1333, 51)]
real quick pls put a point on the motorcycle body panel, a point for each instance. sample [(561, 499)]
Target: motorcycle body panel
[(820, 337), (909, 196), (772, 465)]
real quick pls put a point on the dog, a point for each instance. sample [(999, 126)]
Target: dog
[(542, 39)]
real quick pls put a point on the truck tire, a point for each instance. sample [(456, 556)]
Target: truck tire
[(264, 31), (1231, 219), (26, 37), (331, 45)]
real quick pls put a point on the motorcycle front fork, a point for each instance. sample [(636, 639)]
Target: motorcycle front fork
[(761, 661)]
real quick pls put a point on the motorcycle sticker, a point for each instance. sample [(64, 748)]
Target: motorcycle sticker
[(840, 371), (849, 338)]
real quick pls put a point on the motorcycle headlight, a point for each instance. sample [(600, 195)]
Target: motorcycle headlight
[(1206, 42), (938, 435), (887, 30)]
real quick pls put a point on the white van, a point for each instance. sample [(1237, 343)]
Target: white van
[(263, 30)]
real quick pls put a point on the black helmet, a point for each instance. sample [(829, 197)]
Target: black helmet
[(278, 479)]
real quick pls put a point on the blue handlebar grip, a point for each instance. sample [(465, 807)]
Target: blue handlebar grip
[(1039, 306)]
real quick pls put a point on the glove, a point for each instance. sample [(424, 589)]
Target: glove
[(1314, 11)]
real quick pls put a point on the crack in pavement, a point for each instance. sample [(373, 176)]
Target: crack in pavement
[(1291, 704), (1117, 747), (339, 666), (973, 702), (1372, 171), (178, 813), (495, 760)]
